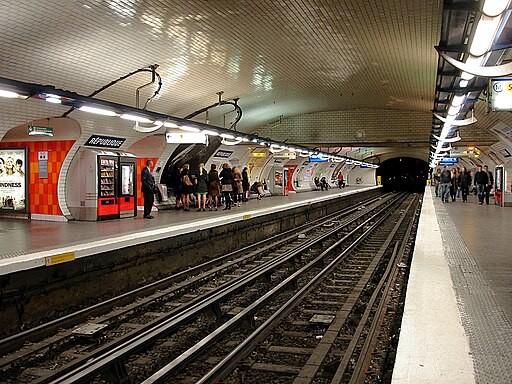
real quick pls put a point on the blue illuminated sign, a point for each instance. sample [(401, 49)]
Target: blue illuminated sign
[(317, 158), (449, 160)]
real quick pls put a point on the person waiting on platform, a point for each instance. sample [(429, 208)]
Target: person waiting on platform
[(437, 182), (187, 187), (237, 186), (324, 184), (446, 178), (261, 192), (214, 190), (226, 181), (316, 180), (481, 181), (148, 188), (341, 181), (453, 184), (245, 185), (490, 184), (201, 182), (465, 182)]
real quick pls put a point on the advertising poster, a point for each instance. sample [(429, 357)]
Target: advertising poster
[(13, 190)]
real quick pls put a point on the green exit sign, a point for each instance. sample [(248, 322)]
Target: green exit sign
[(34, 130)]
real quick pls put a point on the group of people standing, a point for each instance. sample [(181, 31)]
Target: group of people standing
[(456, 183), (230, 185)]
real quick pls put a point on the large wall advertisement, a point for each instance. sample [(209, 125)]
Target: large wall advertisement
[(13, 180)]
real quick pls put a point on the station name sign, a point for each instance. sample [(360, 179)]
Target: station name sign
[(223, 154), (104, 141)]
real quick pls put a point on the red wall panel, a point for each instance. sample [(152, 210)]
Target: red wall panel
[(43, 197)]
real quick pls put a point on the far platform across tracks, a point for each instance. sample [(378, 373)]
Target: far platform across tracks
[(33, 244)]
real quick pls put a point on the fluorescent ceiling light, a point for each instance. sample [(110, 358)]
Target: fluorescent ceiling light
[(458, 100), (245, 139), (9, 94), (484, 35), (53, 100), (495, 7), (453, 110), (98, 111), (168, 124), (139, 119), (210, 133), (188, 128), (227, 136)]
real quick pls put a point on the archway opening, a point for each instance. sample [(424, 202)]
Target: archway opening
[(403, 174)]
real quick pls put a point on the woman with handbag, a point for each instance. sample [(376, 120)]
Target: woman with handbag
[(226, 181), (201, 182), (187, 187)]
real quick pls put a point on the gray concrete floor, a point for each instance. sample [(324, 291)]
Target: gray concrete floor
[(487, 232)]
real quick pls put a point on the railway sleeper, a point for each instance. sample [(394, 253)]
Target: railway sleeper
[(117, 373)]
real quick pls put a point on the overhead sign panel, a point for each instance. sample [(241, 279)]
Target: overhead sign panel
[(183, 137), (318, 158), (500, 95), (449, 160)]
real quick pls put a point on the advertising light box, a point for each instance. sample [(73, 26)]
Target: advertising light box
[(13, 180), (500, 94)]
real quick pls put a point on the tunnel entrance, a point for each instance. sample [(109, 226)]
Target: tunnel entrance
[(403, 174)]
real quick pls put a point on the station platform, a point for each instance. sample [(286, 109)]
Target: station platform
[(31, 244), (457, 322)]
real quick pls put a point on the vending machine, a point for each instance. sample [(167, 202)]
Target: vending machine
[(107, 187), (101, 185), (503, 185), (127, 187)]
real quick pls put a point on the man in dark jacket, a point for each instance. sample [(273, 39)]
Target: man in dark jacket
[(148, 188), (481, 181), (465, 183), (446, 178), (490, 183)]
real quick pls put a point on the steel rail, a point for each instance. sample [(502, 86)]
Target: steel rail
[(227, 364), (17, 340), (101, 360), (359, 372), (342, 367)]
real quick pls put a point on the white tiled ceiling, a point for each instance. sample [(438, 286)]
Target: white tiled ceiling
[(280, 57)]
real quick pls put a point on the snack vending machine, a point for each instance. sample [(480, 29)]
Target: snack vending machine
[(127, 187), (108, 207), (102, 185)]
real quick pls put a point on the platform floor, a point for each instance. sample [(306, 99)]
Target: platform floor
[(457, 324), (25, 244)]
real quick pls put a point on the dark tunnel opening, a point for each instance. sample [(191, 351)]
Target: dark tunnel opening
[(403, 174)]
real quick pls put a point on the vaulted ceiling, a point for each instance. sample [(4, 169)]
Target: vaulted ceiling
[(281, 58)]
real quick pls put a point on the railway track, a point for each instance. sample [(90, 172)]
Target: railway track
[(323, 332), (170, 304)]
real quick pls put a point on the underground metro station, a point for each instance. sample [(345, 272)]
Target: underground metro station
[(303, 191)]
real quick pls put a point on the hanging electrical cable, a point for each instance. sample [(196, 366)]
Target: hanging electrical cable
[(154, 73)]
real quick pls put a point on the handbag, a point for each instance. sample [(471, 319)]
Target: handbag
[(186, 181)]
